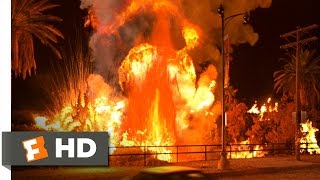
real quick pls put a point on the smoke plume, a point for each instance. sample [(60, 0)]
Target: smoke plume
[(132, 28)]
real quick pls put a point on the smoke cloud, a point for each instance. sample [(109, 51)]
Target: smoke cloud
[(205, 15), (109, 55)]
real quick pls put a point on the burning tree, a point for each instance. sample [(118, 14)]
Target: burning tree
[(238, 123), (272, 122), (251, 126)]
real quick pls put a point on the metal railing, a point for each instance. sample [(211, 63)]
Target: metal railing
[(204, 151)]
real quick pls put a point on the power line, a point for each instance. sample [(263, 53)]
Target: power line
[(300, 41)]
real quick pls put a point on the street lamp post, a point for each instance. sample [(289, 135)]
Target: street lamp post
[(223, 162)]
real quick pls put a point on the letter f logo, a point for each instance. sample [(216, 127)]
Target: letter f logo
[(35, 149)]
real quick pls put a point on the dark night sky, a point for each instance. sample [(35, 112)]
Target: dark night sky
[(252, 68)]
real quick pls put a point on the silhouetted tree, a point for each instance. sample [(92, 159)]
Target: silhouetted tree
[(309, 78)]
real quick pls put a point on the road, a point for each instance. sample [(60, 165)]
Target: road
[(77, 173), (120, 173), (255, 165), (308, 173)]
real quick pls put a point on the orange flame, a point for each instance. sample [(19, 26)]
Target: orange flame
[(160, 86), (266, 107), (309, 138), (191, 37), (91, 19), (245, 151), (156, 136)]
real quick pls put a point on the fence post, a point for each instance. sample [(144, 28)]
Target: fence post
[(145, 156), (230, 151), (108, 163), (307, 148), (205, 152), (273, 150), (177, 153)]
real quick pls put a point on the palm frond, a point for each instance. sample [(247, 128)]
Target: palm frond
[(285, 79), (28, 22)]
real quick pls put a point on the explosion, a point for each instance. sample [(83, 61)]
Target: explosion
[(161, 95), (145, 89)]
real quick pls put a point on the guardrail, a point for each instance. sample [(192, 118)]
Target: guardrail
[(206, 150)]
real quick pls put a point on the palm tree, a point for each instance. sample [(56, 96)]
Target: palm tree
[(28, 21), (309, 78)]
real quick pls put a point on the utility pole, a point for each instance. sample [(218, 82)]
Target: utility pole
[(300, 41)]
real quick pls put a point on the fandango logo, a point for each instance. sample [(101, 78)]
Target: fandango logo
[(55, 148), (35, 149)]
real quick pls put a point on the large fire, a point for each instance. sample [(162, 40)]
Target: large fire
[(161, 101), (161, 90)]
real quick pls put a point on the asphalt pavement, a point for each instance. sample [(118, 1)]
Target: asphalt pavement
[(239, 168)]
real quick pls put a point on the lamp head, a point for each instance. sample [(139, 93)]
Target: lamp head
[(246, 18), (220, 10)]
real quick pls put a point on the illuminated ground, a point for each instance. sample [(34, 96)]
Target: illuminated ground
[(270, 167), (310, 173)]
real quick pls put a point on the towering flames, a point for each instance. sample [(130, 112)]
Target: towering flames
[(160, 86), (145, 48)]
